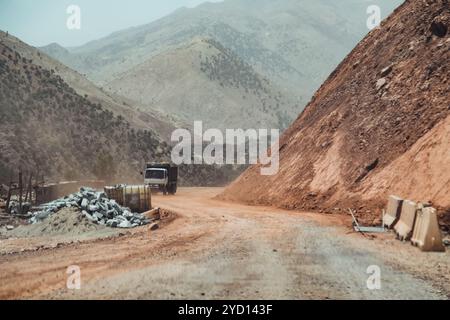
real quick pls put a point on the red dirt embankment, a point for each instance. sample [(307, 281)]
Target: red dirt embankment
[(379, 125)]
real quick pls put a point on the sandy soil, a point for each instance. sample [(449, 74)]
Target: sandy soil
[(216, 249)]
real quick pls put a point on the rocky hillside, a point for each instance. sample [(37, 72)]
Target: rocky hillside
[(293, 43), (47, 127), (146, 120), (204, 81), (379, 125)]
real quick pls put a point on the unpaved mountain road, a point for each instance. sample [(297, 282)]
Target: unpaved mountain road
[(221, 250)]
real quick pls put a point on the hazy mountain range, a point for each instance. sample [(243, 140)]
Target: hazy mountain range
[(291, 45), (114, 102), (56, 123), (205, 81)]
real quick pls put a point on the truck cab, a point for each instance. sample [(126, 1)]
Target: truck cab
[(162, 177), (156, 177)]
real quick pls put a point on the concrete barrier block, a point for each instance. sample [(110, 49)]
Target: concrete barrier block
[(427, 235), (393, 210), (405, 225)]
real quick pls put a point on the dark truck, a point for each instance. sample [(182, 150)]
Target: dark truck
[(161, 176)]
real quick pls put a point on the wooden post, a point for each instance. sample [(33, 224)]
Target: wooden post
[(20, 191), (26, 189), (30, 187), (8, 198), (29, 190)]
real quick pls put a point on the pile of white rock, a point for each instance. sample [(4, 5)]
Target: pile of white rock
[(96, 207), (14, 207)]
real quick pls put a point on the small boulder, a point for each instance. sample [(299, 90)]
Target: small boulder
[(386, 71), (124, 224), (112, 223), (381, 83), (84, 203), (42, 215), (439, 28), (91, 217), (98, 215), (154, 226), (93, 208)]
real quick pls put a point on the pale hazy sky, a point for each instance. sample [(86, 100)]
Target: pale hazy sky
[(40, 22)]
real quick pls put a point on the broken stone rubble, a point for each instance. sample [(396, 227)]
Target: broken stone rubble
[(14, 207), (96, 207)]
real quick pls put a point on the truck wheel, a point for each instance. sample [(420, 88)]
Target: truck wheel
[(173, 189)]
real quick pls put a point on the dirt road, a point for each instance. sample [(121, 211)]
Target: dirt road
[(215, 249)]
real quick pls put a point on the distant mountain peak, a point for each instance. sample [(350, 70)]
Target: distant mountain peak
[(54, 48), (203, 80)]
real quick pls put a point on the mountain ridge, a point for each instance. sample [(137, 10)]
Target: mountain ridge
[(211, 84), (149, 120), (270, 39)]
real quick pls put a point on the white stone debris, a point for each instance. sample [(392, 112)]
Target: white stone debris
[(14, 207), (96, 207)]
